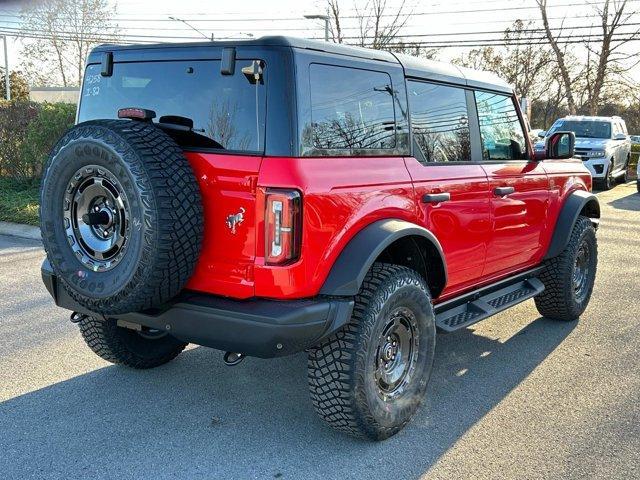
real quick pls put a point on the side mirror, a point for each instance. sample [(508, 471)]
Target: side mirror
[(542, 133), (561, 145), (620, 136)]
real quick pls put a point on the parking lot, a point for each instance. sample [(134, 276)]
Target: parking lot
[(516, 396)]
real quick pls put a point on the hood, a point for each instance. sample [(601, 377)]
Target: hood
[(592, 143)]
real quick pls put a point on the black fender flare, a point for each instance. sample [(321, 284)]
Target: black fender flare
[(357, 257), (577, 202)]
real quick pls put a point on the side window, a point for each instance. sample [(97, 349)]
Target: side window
[(439, 122), (616, 128), (500, 128), (351, 109)]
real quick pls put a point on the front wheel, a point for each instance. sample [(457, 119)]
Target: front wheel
[(369, 378), (608, 181), (624, 178), (568, 278)]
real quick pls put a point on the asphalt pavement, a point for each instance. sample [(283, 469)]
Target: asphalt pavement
[(516, 396)]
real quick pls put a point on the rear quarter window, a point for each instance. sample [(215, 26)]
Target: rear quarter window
[(227, 110), (352, 112)]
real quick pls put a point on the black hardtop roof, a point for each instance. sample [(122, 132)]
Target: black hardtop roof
[(413, 66)]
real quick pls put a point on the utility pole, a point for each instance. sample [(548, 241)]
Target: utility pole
[(326, 23), (7, 85)]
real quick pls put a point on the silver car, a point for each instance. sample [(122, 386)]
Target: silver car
[(602, 143)]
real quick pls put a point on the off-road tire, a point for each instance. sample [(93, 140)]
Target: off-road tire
[(343, 390), (559, 300), (127, 347), (166, 222)]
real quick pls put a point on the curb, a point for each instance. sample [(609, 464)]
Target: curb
[(20, 230)]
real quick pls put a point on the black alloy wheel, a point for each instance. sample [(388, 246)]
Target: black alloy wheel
[(396, 354), (370, 378), (97, 217)]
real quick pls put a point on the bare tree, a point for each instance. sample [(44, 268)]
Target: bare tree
[(560, 56), (374, 30), (59, 35), (529, 68), (377, 26), (335, 29), (605, 60), (604, 56)]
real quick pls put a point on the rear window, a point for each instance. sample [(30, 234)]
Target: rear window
[(440, 122), (351, 110), (227, 111)]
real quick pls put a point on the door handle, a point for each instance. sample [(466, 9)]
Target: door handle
[(503, 191), (436, 197)]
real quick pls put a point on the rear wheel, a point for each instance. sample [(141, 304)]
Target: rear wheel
[(369, 379), (568, 278), (137, 349)]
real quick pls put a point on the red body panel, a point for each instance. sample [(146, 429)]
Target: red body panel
[(518, 220), (340, 196), (462, 224), (228, 185), (484, 237)]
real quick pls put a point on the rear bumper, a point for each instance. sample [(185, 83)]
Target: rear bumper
[(256, 327)]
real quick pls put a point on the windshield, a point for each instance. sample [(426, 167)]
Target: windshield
[(583, 128), (227, 110)]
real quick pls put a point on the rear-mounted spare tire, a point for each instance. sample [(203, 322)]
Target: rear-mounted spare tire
[(121, 216)]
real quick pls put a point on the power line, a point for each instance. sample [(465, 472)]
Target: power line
[(409, 14), (254, 12), (18, 31), (563, 40)]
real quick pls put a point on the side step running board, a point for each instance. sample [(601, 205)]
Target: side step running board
[(462, 312)]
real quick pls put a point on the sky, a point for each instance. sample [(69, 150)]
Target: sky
[(445, 20)]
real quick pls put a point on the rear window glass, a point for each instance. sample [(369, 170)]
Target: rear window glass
[(351, 109), (227, 111), (440, 122)]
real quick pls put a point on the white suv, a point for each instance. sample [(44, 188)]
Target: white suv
[(602, 143)]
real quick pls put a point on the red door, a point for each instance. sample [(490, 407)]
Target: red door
[(452, 193), (519, 186), (461, 221), (519, 207)]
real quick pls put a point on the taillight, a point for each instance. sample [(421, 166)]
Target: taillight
[(283, 226)]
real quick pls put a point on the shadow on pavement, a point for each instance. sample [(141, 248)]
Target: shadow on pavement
[(628, 202), (196, 418)]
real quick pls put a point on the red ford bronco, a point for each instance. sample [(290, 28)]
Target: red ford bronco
[(279, 195)]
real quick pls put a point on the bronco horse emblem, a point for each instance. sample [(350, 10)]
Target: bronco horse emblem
[(234, 220)]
